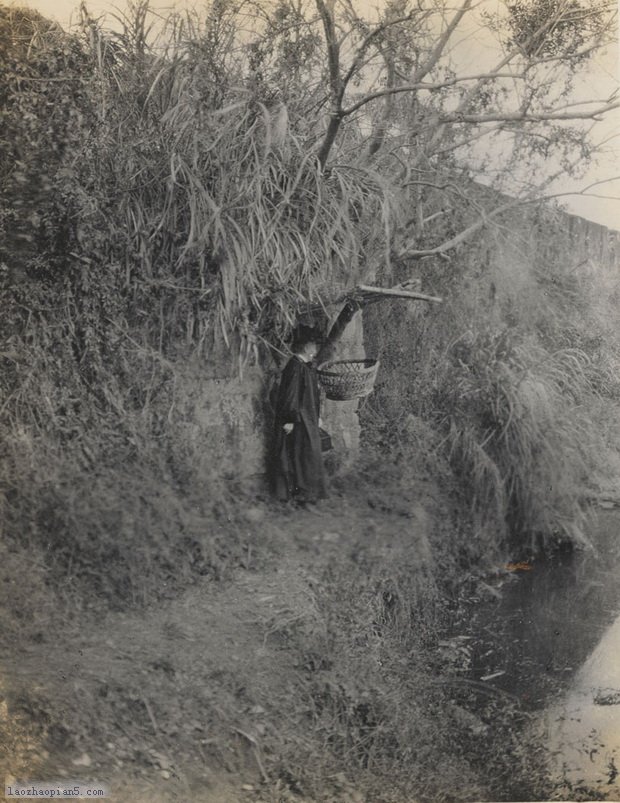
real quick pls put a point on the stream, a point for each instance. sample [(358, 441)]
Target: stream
[(550, 638)]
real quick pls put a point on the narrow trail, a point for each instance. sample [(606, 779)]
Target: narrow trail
[(177, 701)]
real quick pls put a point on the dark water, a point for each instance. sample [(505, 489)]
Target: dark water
[(550, 637)]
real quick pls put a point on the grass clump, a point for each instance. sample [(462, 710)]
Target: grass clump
[(516, 435), (505, 381)]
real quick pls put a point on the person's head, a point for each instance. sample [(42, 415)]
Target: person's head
[(306, 341)]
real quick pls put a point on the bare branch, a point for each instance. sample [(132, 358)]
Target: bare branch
[(442, 42), (486, 217), (338, 84), (449, 244), (463, 112), (355, 64), (482, 81), (585, 190), (485, 132), (512, 54), (527, 117), (420, 86)]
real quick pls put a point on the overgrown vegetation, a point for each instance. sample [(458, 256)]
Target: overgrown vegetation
[(174, 193), (151, 215), (505, 380)]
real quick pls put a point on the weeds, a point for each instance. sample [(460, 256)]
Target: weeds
[(512, 412), (504, 381)]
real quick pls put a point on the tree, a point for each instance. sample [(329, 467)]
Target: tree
[(399, 82)]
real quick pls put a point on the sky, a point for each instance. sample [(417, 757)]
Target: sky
[(474, 46)]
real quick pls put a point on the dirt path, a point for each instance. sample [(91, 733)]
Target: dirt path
[(183, 701)]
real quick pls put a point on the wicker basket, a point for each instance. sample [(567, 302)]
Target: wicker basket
[(348, 379)]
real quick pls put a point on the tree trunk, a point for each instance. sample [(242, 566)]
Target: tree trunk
[(344, 318)]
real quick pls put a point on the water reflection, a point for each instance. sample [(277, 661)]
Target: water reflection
[(550, 636), (547, 621), (583, 731)]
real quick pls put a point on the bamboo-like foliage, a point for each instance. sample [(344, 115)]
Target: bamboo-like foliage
[(156, 213), (193, 202), (509, 371), (216, 199)]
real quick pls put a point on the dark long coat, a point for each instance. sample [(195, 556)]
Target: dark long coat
[(297, 465)]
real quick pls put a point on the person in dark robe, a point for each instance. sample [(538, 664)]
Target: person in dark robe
[(297, 465)]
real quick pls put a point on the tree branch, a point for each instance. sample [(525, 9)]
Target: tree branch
[(526, 117), (338, 84), (335, 79), (381, 127), (333, 51), (463, 112), (345, 316), (485, 132), (381, 93), (484, 80), (437, 51), (488, 216), (366, 44)]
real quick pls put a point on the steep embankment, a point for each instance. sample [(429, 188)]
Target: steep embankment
[(312, 673)]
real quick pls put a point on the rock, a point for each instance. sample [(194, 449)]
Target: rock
[(607, 697), (470, 721), (83, 761), (165, 774), (161, 760), (254, 514)]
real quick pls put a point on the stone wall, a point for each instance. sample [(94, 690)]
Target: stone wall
[(597, 244), (546, 276), (227, 416)]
